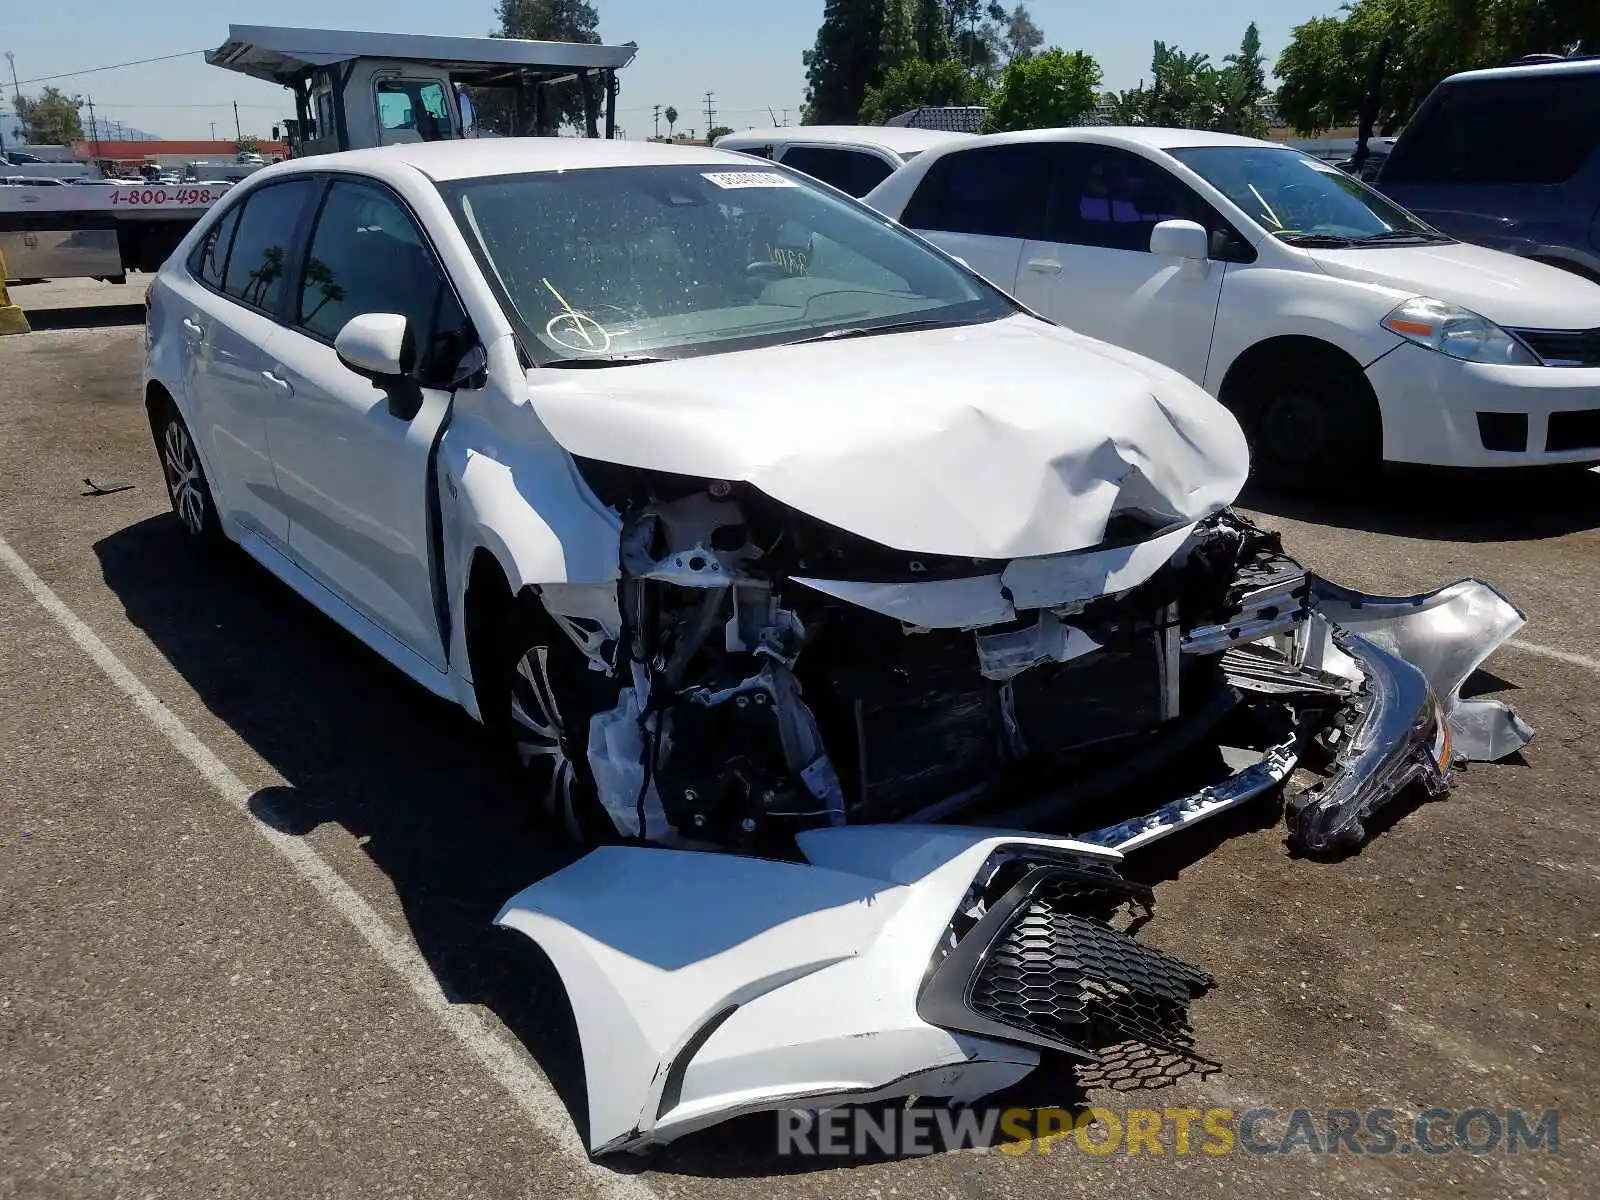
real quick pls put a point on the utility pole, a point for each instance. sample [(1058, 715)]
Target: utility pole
[(786, 118), (658, 120), (237, 132), (711, 113), (213, 125), (16, 88), (94, 130)]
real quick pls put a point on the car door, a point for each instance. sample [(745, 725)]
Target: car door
[(353, 456), (982, 205), (228, 305), (1092, 269)]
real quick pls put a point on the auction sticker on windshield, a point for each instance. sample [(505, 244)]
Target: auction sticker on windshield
[(748, 179)]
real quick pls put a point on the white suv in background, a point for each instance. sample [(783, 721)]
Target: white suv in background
[(1341, 329)]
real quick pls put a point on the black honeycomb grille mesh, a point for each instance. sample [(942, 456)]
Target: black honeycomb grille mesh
[(1073, 979)]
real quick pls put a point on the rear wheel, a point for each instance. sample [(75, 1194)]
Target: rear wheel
[(187, 488), (1311, 420), (545, 697)]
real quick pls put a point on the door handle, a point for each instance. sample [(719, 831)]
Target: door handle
[(1045, 266), (193, 328), (278, 382)]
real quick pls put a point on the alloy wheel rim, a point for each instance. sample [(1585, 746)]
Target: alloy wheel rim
[(182, 466), (540, 735)]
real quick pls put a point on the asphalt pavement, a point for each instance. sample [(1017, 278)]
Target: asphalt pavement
[(249, 876)]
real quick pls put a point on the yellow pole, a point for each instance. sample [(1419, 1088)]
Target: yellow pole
[(12, 319)]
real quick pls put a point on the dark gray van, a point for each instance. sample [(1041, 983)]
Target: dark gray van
[(1508, 158)]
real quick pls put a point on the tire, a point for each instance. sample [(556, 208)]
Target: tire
[(187, 488), (1311, 420), (544, 697)]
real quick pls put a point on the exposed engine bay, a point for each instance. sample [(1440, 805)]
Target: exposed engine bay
[(775, 674)]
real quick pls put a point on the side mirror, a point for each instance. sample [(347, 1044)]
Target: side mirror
[(1181, 239), (376, 345)]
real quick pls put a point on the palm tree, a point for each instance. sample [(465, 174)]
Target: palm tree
[(672, 119)]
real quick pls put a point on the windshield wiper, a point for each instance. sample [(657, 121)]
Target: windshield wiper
[(1315, 241), (858, 331), (1404, 235), (604, 360)]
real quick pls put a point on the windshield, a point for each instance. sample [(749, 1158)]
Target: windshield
[(1302, 199), (632, 263)]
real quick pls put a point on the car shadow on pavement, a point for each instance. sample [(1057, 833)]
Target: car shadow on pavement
[(1451, 506), (410, 777)]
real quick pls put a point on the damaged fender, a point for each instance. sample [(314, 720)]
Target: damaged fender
[(706, 986)]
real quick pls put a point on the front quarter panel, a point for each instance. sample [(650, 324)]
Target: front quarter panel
[(508, 487), (1265, 299)]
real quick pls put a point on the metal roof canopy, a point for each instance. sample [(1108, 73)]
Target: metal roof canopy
[(283, 56)]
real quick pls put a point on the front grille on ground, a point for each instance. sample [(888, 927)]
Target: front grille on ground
[(1579, 430), (1563, 347), (1077, 981)]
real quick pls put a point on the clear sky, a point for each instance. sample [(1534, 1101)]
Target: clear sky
[(745, 52)]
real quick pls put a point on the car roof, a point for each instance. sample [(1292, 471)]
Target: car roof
[(1571, 66), (1127, 136), (900, 139), (473, 158)]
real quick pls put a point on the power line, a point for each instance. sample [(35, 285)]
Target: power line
[(138, 62)]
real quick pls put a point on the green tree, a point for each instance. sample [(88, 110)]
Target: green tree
[(1048, 90), (898, 42), (1184, 90), (50, 118), (918, 84), (930, 25), (572, 104), (1377, 61), (1243, 88), (1022, 36), (717, 131), (844, 61), (246, 145), (671, 115)]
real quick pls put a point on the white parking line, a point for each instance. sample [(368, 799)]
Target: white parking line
[(477, 1034), (1566, 656)]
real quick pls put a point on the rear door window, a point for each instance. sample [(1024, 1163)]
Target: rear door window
[(259, 261), (1538, 129), (210, 257), (854, 172), (992, 191)]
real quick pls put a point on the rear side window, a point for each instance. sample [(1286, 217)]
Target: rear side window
[(1539, 129), (210, 257), (853, 172), (260, 255), (994, 191), (1105, 196)]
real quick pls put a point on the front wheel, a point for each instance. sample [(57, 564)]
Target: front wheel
[(1311, 420), (545, 699)]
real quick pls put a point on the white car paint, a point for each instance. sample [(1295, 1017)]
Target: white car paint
[(891, 146), (339, 512), (1201, 317), (771, 985), (1028, 442)]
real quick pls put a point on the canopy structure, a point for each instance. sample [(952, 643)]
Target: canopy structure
[(284, 56), (297, 57)]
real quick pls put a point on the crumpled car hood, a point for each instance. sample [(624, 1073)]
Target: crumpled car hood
[(1004, 440)]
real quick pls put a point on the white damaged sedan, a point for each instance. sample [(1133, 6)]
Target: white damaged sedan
[(781, 547)]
